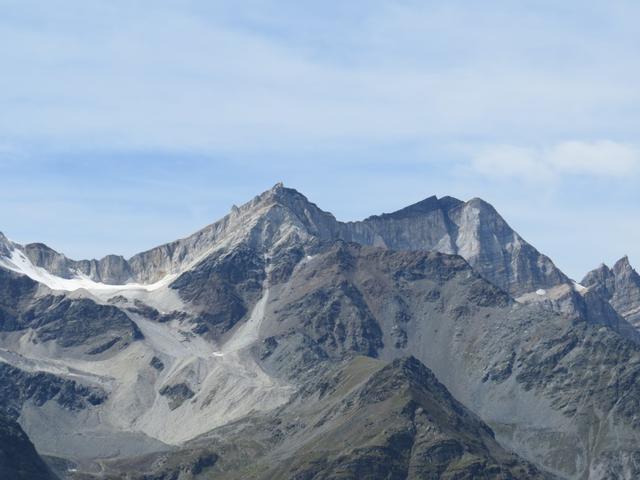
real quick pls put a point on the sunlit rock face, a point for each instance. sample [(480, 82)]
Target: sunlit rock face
[(620, 285)]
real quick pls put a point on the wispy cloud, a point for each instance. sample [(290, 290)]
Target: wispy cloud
[(196, 77), (602, 158)]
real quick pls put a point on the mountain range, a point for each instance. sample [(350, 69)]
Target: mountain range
[(279, 342)]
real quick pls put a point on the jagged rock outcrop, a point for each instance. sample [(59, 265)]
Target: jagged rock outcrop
[(5, 245), (620, 286), (68, 321), (223, 288), (19, 386)]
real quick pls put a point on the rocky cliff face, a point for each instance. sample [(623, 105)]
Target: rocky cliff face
[(70, 322), (620, 285), (473, 230), (112, 269)]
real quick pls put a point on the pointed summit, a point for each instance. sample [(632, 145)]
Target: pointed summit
[(601, 281), (279, 217), (274, 192), (5, 246), (281, 195), (622, 265), (447, 202), (4, 240), (422, 207), (619, 285), (473, 230)]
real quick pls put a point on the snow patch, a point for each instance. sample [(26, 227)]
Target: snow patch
[(541, 292), (579, 288), (19, 263)]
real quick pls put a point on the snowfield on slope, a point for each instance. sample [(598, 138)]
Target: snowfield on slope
[(19, 263)]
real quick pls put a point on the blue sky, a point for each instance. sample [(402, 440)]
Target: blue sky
[(125, 124)]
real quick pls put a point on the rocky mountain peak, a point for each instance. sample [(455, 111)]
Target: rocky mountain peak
[(622, 266), (480, 203), (5, 245), (279, 194), (283, 216), (409, 370), (281, 197), (473, 230), (46, 257), (422, 207), (447, 202), (279, 216), (619, 285), (601, 280)]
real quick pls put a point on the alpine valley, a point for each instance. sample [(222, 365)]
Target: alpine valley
[(280, 343)]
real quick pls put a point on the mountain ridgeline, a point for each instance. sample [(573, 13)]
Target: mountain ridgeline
[(279, 342), (473, 230)]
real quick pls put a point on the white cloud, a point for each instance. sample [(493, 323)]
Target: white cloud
[(510, 161), (603, 158)]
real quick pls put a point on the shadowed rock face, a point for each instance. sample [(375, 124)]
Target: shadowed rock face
[(361, 419), (18, 457), (544, 381), (68, 321), (620, 285), (18, 387), (177, 394), (81, 322), (222, 288)]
